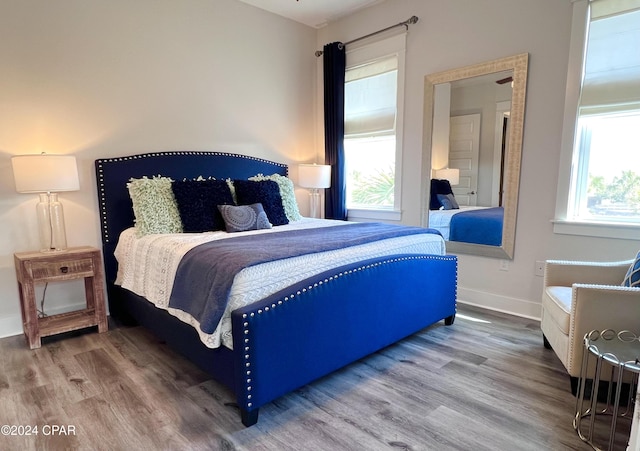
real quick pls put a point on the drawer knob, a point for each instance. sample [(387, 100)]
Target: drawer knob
[(64, 269)]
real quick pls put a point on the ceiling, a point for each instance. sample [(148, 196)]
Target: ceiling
[(314, 13)]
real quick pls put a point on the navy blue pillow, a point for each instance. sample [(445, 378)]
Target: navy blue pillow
[(265, 192), (438, 187), (198, 202)]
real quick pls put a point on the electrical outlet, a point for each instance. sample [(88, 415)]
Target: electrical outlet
[(504, 265), (540, 268)]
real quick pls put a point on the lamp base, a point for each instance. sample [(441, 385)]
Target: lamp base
[(314, 203), (51, 223)]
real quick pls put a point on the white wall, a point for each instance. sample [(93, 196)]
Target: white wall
[(107, 78), (455, 33)]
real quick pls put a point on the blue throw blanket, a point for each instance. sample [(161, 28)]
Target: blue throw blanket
[(478, 226), (205, 274)]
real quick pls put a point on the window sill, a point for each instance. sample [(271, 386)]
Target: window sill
[(597, 229), (381, 215)]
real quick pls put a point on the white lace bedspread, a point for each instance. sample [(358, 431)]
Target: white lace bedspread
[(147, 266)]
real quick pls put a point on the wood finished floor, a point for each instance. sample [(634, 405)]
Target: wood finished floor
[(485, 383)]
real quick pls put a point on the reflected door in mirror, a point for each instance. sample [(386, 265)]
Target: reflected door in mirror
[(473, 123)]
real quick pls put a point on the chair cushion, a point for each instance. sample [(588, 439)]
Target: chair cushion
[(557, 304)]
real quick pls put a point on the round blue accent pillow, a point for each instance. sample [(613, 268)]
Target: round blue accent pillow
[(238, 218)]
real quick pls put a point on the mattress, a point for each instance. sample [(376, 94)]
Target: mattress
[(147, 266)]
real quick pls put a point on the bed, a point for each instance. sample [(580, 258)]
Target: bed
[(289, 336), (477, 225)]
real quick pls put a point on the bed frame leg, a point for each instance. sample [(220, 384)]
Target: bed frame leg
[(449, 320), (249, 418)]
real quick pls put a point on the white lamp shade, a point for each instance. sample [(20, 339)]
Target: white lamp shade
[(45, 173), (314, 175), (453, 175)]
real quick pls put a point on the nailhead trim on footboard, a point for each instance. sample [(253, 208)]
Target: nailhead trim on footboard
[(296, 295)]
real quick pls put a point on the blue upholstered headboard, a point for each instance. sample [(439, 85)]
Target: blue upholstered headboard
[(112, 175)]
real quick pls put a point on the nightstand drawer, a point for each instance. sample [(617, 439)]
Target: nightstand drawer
[(61, 269)]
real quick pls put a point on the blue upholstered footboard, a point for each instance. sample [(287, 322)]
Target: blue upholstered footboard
[(319, 325)]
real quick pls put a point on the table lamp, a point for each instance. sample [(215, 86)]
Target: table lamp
[(453, 175), (314, 177), (47, 175)]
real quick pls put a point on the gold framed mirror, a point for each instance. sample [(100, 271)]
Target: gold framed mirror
[(473, 125)]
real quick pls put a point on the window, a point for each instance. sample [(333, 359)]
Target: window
[(607, 185), (373, 86), (604, 185)]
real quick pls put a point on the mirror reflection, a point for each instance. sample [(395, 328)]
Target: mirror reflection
[(474, 119)]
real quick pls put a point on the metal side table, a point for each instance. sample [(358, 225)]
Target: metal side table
[(616, 355)]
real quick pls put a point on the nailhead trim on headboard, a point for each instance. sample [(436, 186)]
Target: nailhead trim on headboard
[(100, 174)]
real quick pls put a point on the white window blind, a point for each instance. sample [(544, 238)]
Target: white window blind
[(611, 79), (371, 98)]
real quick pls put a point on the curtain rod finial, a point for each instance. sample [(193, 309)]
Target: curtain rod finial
[(413, 19)]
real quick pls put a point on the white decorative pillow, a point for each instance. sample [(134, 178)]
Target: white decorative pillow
[(154, 206), (286, 192), (238, 218)]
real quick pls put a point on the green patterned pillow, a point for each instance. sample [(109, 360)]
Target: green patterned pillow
[(286, 192), (154, 206)]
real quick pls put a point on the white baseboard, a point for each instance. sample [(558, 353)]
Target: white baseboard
[(12, 325), (504, 304)]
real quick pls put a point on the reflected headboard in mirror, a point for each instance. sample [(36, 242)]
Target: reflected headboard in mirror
[(473, 125)]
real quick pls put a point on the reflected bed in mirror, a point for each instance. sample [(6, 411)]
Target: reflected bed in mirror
[(473, 131)]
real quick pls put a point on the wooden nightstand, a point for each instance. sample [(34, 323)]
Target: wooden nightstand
[(75, 263)]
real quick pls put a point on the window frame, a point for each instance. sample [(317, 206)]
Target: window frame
[(357, 56), (562, 224)]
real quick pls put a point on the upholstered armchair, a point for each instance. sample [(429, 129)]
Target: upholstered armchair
[(579, 297)]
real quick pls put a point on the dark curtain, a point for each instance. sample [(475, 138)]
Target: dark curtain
[(334, 63)]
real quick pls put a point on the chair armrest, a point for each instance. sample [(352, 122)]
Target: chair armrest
[(566, 273), (600, 307)]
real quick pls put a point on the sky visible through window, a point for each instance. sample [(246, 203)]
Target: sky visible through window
[(614, 155), (615, 146)]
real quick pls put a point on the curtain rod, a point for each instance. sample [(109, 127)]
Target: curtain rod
[(410, 21)]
